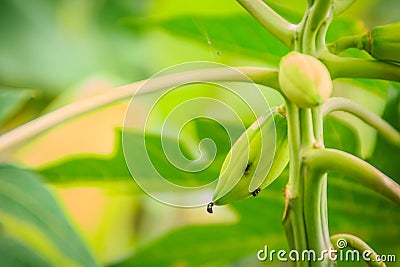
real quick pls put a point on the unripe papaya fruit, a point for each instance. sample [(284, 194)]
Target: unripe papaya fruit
[(248, 168)]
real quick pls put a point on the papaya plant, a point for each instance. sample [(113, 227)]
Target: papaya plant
[(282, 145)]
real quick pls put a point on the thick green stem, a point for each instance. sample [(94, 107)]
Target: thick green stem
[(344, 67), (305, 219), (359, 245), (314, 191), (317, 117), (319, 139), (324, 160), (321, 37), (294, 136), (16, 137), (314, 212), (307, 129), (293, 223), (346, 105), (293, 218), (320, 14), (271, 21)]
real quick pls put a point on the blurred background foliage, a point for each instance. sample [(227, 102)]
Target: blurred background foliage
[(54, 52)]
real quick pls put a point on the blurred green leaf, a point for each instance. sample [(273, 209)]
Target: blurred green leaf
[(11, 101), (344, 27), (355, 209), (386, 157), (34, 230), (352, 208), (54, 44), (291, 10), (240, 34), (217, 245), (88, 168), (338, 135), (369, 93), (341, 6), (94, 169)]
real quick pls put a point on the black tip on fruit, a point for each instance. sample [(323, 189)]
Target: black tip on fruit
[(256, 192), (209, 207)]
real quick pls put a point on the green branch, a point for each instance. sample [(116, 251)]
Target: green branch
[(314, 187), (315, 216), (320, 14), (339, 6), (321, 35), (293, 219), (23, 133), (294, 138), (341, 44), (317, 118), (346, 105), (307, 134), (345, 67), (359, 245), (324, 160), (271, 21)]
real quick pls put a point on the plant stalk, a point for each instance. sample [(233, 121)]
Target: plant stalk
[(343, 104), (346, 67), (319, 14), (271, 21), (340, 45), (324, 160), (293, 217), (28, 131), (314, 190), (359, 245)]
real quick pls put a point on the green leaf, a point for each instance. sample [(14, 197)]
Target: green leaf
[(216, 245), (43, 43), (352, 208), (95, 169), (239, 34), (11, 101), (357, 210), (342, 5), (34, 230), (386, 156), (371, 94), (341, 136), (344, 27), (90, 168), (292, 10)]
